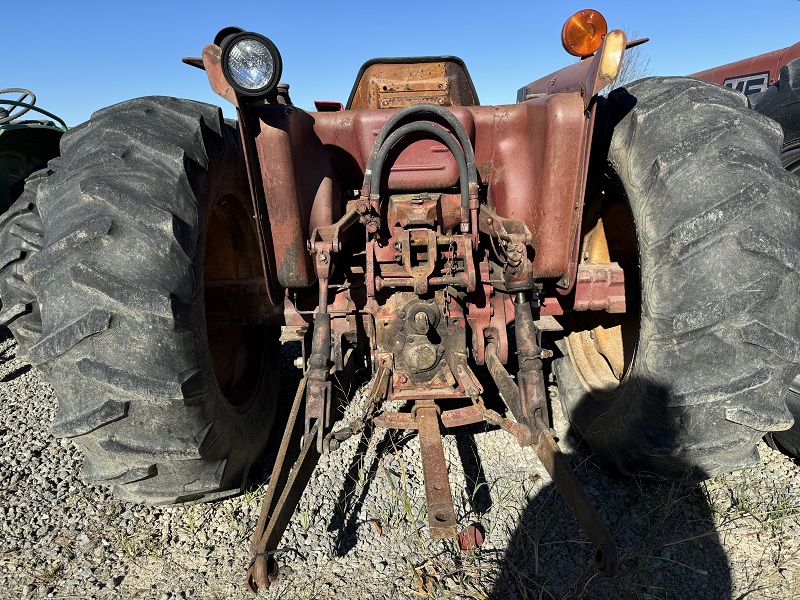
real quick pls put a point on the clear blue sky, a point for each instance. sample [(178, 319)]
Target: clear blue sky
[(80, 56)]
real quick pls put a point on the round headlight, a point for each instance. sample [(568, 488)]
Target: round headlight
[(251, 64)]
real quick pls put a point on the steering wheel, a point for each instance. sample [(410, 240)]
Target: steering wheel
[(15, 113)]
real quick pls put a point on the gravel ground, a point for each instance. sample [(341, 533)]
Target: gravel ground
[(360, 530)]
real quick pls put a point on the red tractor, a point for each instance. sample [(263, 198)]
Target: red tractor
[(771, 82), (647, 242)]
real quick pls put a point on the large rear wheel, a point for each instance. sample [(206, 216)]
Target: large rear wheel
[(695, 206), (146, 225)]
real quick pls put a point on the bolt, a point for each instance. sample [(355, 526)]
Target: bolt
[(401, 314), (298, 362), (323, 257), (402, 379), (397, 246)]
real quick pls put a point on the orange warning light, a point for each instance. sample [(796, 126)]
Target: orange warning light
[(584, 32)]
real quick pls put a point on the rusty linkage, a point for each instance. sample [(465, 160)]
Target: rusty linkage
[(428, 289)]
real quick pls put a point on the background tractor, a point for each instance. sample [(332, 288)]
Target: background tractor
[(25, 146), (646, 242), (771, 82)]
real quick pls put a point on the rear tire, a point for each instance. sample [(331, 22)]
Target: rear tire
[(161, 413), (687, 383)]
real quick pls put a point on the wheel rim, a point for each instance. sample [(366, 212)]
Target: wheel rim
[(602, 345), (790, 157), (231, 264)]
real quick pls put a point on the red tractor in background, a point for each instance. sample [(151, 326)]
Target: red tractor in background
[(771, 82)]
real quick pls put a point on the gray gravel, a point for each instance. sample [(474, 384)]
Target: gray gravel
[(360, 530)]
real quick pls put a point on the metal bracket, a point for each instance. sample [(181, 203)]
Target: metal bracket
[(441, 517), (329, 237)]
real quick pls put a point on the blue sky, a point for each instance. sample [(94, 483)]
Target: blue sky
[(81, 56)]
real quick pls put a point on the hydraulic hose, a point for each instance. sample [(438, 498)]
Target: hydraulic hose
[(426, 107), (440, 132)]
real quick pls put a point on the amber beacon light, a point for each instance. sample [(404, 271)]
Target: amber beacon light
[(584, 32)]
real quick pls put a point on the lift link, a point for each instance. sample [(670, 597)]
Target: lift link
[(286, 484), (528, 402), (323, 245)]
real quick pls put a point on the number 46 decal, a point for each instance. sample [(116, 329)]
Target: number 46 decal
[(748, 84)]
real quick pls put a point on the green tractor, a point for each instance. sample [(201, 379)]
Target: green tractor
[(25, 145)]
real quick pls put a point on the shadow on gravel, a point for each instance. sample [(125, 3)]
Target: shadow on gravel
[(667, 543), (15, 373), (350, 504), (477, 491), (5, 334)]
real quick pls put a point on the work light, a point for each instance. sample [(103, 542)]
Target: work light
[(251, 64)]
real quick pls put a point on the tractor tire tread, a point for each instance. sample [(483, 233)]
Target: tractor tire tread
[(702, 172), (121, 230)]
